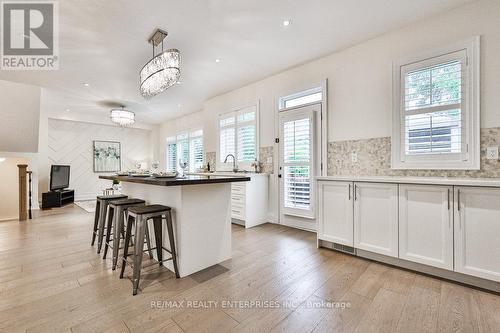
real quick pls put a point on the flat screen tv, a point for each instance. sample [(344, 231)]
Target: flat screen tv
[(59, 177)]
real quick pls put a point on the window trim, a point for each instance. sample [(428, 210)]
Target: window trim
[(244, 166), (470, 114)]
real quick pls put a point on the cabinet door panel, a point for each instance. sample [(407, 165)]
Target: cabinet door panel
[(335, 212), (477, 232), (376, 218), (425, 224)]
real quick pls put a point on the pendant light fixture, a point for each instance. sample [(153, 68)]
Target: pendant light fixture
[(162, 71), (122, 117)]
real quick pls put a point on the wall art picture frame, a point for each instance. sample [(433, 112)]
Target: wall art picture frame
[(107, 156)]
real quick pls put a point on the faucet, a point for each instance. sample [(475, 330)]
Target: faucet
[(235, 168)]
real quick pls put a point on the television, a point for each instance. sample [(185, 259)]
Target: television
[(59, 177)]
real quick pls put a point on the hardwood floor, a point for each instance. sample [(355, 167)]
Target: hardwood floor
[(51, 279)]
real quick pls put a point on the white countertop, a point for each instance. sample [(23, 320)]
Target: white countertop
[(487, 182)]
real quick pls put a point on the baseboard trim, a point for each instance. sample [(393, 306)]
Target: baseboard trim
[(491, 286)]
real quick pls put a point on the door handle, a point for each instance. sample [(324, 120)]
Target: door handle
[(355, 192), (279, 175), (458, 199), (349, 192)]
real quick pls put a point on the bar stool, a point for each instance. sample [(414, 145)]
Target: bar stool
[(140, 216), (100, 215), (115, 225)]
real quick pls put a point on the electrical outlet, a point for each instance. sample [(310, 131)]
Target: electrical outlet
[(354, 157), (492, 153)]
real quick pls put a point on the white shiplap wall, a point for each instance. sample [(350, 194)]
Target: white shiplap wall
[(70, 142)]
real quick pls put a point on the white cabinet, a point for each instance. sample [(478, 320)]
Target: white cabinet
[(249, 201), (426, 224), (376, 218), (335, 212), (477, 231)]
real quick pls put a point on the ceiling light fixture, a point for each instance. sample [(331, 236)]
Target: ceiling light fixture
[(2, 159), (86, 84), (122, 117), (163, 70), (217, 60), (286, 23), (67, 110)]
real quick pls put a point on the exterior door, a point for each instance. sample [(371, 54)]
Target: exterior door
[(297, 167)]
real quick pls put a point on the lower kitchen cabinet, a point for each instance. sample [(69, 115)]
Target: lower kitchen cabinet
[(477, 232), (335, 222), (426, 225), (376, 218)]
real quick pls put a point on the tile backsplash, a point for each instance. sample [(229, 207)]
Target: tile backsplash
[(264, 154), (374, 159)]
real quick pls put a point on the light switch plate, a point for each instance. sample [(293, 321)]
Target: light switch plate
[(354, 157), (492, 153)]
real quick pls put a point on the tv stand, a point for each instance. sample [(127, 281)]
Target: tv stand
[(57, 198)]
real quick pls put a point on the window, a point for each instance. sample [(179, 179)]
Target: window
[(301, 98), (436, 114), (238, 136), (186, 146)]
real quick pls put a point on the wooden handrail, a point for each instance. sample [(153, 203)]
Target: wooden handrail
[(23, 192)]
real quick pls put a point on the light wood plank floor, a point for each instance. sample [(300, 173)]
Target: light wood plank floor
[(51, 279)]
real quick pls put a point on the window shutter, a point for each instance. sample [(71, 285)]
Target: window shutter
[(227, 136), (247, 137), (196, 150), (297, 163), (171, 154)]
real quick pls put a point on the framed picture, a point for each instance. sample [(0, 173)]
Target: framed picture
[(107, 156)]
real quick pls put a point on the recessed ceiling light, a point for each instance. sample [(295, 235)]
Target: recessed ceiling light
[(287, 22), (178, 82), (86, 84), (67, 110), (2, 159), (179, 105), (217, 60)]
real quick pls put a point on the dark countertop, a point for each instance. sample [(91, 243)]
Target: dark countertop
[(188, 180)]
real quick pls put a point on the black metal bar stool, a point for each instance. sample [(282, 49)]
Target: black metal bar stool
[(140, 216), (115, 225), (100, 216)]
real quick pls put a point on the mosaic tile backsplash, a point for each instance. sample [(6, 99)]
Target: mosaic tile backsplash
[(374, 159), (264, 154)]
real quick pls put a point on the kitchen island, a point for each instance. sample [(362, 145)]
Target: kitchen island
[(201, 209)]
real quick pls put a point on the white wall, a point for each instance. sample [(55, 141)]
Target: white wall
[(19, 111), (360, 79), (71, 142)]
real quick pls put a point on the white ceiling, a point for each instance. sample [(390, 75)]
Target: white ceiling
[(104, 43)]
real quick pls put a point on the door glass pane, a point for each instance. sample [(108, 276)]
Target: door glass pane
[(296, 135)]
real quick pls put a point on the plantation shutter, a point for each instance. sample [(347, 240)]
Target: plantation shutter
[(432, 107), (227, 136), (297, 164), (171, 154), (196, 150), (182, 149), (247, 146)]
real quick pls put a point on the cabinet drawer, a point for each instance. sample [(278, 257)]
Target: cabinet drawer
[(237, 199), (238, 211), (238, 188)]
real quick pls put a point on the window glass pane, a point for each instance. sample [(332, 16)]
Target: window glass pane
[(247, 116), (227, 142), (436, 132), (182, 151), (434, 86), (227, 121), (246, 143), (297, 187), (296, 140), (301, 100)]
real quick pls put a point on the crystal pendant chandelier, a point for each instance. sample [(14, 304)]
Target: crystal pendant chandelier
[(162, 71), (122, 117)]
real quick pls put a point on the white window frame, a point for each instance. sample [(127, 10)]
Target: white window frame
[(469, 159), (175, 139), (243, 166)]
